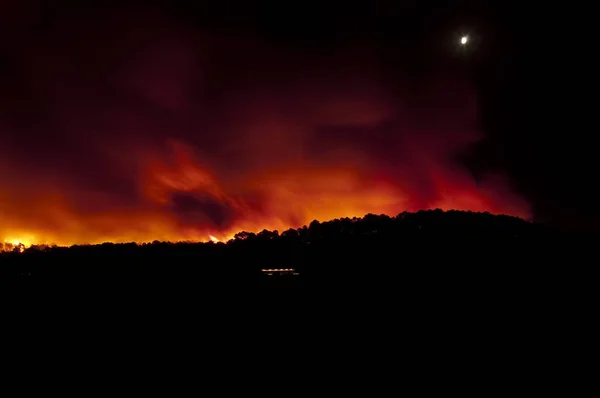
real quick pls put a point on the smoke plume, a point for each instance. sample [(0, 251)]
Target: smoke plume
[(132, 127)]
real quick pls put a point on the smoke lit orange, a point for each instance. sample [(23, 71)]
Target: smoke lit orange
[(155, 132), (185, 202)]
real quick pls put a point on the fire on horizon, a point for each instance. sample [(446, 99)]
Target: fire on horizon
[(139, 134)]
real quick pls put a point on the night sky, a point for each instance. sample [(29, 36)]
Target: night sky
[(176, 120)]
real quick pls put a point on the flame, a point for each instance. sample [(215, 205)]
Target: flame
[(138, 130), (184, 201)]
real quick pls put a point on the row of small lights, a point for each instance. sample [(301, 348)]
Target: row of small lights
[(277, 270)]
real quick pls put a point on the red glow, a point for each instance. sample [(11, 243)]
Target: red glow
[(170, 136)]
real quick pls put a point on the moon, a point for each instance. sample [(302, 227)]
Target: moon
[(464, 40)]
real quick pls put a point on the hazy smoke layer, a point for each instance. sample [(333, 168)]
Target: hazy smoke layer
[(130, 127)]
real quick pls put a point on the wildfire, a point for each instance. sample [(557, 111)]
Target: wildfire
[(187, 203), (136, 130)]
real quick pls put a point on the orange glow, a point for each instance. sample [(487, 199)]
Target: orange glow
[(139, 129), (291, 196)]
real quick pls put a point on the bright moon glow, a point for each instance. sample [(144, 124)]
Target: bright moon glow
[(464, 40)]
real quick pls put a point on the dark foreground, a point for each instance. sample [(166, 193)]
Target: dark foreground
[(430, 250)]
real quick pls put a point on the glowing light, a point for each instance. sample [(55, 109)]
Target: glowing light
[(278, 270), (290, 196), (25, 241), (276, 153)]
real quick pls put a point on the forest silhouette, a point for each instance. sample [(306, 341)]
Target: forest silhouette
[(438, 246)]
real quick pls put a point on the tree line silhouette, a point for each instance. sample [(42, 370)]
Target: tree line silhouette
[(375, 249)]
